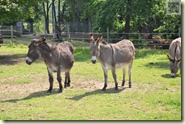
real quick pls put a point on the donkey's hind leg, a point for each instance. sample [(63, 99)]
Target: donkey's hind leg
[(67, 80), (124, 73), (50, 81), (59, 79), (130, 73)]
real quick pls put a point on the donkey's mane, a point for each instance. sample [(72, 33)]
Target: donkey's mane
[(104, 42)]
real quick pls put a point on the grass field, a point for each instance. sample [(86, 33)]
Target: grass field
[(154, 94)]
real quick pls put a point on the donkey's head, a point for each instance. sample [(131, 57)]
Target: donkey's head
[(33, 50), (95, 47), (173, 65)]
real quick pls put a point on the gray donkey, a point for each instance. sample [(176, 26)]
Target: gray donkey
[(175, 56), (112, 56), (58, 58)]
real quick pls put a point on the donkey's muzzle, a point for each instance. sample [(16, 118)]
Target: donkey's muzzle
[(172, 74), (28, 62), (93, 61)]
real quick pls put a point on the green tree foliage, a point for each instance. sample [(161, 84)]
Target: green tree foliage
[(12, 11), (145, 16), (121, 16)]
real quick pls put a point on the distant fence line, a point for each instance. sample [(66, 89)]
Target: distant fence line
[(137, 38), (113, 37), (68, 32)]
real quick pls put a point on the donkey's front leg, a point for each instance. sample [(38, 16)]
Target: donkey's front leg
[(105, 79), (59, 79), (50, 74), (115, 78)]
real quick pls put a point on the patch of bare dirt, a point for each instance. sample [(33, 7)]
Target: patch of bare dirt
[(25, 89), (87, 85), (44, 85)]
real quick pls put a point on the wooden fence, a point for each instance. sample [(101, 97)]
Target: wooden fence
[(10, 31)]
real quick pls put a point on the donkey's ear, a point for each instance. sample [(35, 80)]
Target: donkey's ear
[(40, 41), (178, 60), (100, 38), (91, 37), (170, 58), (43, 39)]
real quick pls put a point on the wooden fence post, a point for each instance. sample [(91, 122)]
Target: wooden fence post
[(0, 30), (68, 32), (11, 33), (179, 32)]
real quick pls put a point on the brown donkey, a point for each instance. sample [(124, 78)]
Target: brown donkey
[(58, 58), (112, 56)]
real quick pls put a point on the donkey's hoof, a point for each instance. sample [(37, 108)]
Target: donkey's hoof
[(68, 85), (130, 84), (49, 91), (116, 88), (104, 89), (123, 83), (60, 90)]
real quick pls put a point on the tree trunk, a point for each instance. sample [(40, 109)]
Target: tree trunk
[(59, 14), (54, 20), (31, 26), (54, 12), (46, 16), (62, 13), (58, 30), (150, 28), (127, 19), (47, 24)]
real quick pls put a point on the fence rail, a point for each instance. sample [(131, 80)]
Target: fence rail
[(139, 39), (10, 31), (111, 37)]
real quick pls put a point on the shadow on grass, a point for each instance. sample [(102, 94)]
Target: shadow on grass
[(76, 98), (95, 92), (169, 76), (15, 59), (34, 95), (12, 59), (160, 65)]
